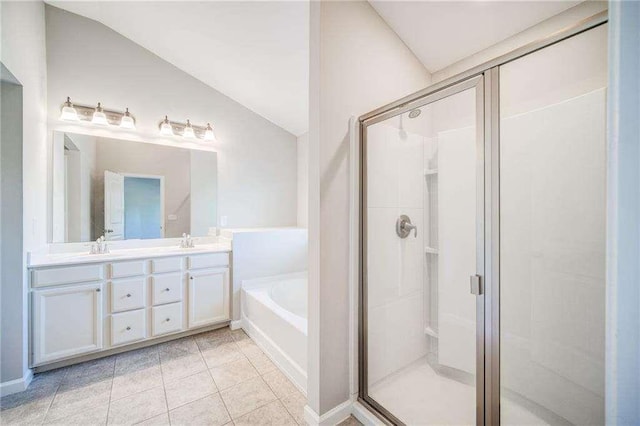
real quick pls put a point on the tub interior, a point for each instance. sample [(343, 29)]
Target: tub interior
[(291, 294)]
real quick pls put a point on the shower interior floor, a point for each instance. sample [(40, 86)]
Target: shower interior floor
[(418, 395)]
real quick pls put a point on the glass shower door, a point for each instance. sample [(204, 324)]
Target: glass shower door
[(423, 254), (552, 233)]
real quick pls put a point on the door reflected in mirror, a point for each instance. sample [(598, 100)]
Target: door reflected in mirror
[(130, 190)]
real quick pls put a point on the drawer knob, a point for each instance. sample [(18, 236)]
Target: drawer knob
[(167, 289), (128, 294), (98, 290), (168, 319), (128, 328)]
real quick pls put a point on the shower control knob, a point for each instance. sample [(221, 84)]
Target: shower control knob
[(404, 227)]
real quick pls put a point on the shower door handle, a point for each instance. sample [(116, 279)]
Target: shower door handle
[(476, 284)]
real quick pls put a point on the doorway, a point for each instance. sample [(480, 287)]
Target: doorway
[(143, 207)]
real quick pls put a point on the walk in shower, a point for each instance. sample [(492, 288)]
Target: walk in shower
[(482, 229)]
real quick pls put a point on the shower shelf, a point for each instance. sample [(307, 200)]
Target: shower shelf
[(430, 250), (430, 332), (430, 172)]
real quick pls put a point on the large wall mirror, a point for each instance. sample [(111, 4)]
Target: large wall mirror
[(130, 190)]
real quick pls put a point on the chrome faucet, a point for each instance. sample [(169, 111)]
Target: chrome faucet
[(100, 246), (404, 227), (187, 241)]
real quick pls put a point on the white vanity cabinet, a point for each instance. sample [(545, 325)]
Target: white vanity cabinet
[(67, 321), (81, 309), (208, 296)]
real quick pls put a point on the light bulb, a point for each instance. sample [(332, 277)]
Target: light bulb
[(127, 121), (165, 127), (99, 117), (208, 133), (188, 131), (69, 113)]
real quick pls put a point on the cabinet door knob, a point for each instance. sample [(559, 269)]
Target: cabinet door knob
[(168, 319), (128, 294), (190, 278), (167, 289), (128, 328), (98, 290)]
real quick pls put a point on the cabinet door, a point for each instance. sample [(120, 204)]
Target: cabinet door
[(208, 297), (66, 322)]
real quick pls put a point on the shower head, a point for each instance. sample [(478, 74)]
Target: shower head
[(414, 113)]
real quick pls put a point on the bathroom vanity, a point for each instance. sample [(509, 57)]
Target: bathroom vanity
[(87, 304)]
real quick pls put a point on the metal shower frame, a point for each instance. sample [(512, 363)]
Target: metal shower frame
[(485, 80)]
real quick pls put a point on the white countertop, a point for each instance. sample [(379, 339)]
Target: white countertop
[(60, 259)]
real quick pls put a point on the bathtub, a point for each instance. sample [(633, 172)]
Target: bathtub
[(274, 314)]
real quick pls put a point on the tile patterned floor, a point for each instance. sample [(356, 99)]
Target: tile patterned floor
[(215, 378)]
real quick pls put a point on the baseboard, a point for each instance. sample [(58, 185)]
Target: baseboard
[(17, 385), (332, 417), (235, 324), (288, 367), (364, 416)]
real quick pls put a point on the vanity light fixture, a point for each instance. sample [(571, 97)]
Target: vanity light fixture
[(127, 121), (69, 113), (186, 130), (165, 127), (208, 133), (99, 116)]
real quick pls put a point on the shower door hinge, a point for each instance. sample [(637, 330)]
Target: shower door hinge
[(476, 285)]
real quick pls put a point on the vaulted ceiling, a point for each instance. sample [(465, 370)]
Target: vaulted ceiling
[(257, 53), (441, 33)]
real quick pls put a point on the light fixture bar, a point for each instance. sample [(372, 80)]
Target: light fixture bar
[(178, 128), (85, 113)]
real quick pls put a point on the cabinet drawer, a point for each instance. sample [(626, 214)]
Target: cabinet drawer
[(66, 275), (127, 294), (166, 264), (128, 327), (166, 288), (127, 269), (212, 260), (166, 318)]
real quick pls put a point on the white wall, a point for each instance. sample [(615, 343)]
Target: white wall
[(395, 288), (23, 53), (556, 23), (357, 64), (256, 159), (623, 211), (204, 193), (11, 292), (262, 253), (303, 180)]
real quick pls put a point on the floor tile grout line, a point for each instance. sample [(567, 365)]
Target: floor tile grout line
[(115, 360), (44, 418), (216, 385), (164, 385)]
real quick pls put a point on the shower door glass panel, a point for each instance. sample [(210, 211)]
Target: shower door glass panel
[(552, 233), (423, 166)]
